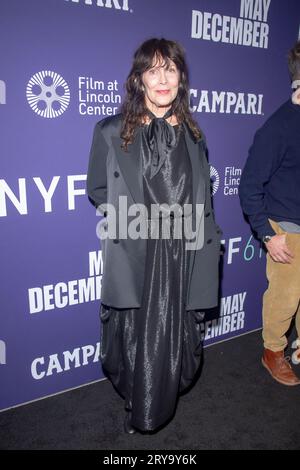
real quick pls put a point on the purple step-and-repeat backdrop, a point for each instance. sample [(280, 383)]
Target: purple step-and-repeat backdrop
[(63, 67)]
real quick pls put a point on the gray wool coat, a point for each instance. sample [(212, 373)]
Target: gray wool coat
[(113, 172)]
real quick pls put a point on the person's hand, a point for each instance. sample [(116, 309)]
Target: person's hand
[(278, 249)]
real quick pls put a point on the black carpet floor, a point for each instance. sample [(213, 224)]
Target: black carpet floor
[(235, 404)]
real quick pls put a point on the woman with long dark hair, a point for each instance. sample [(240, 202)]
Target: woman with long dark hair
[(149, 161)]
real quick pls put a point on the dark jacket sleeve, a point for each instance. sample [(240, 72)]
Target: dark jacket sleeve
[(96, 177), (264, 159)]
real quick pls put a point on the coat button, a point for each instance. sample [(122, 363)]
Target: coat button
[(116, 240), (116, 174), (209, 241), (207, 214)]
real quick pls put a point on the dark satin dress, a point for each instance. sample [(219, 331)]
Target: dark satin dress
[(152, 353)]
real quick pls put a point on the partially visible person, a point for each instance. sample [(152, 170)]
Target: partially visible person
[(270, 197)]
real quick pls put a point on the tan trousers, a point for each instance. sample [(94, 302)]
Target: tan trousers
[(281, 299)]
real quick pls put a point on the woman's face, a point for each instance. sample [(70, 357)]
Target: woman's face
[(161, 83)]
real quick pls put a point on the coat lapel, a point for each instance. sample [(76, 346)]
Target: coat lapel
[(131, 166), (198, 178)]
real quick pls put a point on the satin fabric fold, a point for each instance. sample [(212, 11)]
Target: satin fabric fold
[(161, 138)]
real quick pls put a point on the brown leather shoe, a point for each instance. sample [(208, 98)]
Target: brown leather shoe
[(279, 367)]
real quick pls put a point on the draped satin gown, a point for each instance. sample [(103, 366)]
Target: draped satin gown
[(152, 353)]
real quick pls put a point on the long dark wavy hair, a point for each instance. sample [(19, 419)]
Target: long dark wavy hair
[(134, 109)]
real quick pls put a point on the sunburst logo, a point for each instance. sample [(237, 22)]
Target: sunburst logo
[(214, 179), (48, 94)]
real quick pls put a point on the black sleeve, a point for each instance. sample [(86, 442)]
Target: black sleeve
[(264, 159), (96, 177)]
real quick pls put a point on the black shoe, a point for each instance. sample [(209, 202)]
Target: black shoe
[(128, 428)]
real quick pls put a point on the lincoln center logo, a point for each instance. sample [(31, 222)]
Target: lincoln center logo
[(214, 179), (48, 94)]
